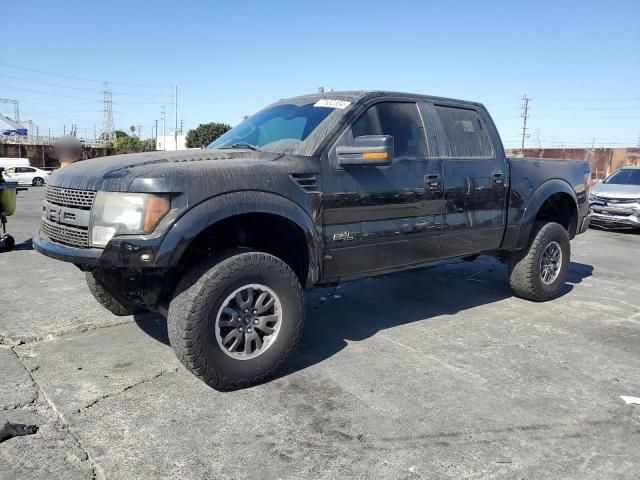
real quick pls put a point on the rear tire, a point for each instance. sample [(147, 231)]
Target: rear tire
[(37, 182), (538, 271), (117, 306), (208, 313)]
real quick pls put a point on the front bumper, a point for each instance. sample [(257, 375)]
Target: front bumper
[(135, 252), (608, 220), (80, 256)]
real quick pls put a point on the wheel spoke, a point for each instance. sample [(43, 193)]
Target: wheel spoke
[(232, 335), (263, 325), (241, 301), (264, 302), (248, 340)]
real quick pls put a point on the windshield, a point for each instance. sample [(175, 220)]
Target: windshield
[(282, 128), (625, 176)]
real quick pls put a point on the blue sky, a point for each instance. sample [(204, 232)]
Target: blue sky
[(579, 61)]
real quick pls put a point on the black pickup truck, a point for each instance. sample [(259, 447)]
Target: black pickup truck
[(309, 191)]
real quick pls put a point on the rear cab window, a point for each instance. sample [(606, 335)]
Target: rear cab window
[(464, 133)]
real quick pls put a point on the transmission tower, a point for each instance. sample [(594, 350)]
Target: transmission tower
[(16, 107), (525, 115), (108, 134)]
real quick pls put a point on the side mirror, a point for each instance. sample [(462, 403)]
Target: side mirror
[(374, 150)]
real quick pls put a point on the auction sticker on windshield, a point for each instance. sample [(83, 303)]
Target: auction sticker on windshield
[(327, 102)]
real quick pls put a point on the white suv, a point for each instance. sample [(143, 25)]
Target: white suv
[(26, 176)]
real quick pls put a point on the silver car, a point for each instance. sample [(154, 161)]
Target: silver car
[(615, 202)]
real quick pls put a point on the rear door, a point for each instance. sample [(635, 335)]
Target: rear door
[(475, 178), (382, 218), (18, 174)]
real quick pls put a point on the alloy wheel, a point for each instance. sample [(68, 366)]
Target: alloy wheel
[(248, 321)]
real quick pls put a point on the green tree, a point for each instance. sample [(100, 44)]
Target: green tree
[(120, 134), (132, 129), (127, 143), (205, 133)]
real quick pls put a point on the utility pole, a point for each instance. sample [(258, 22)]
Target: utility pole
[(156, 136), (181, 126), (108, 134), (64, 130), (139, 131), (164, 128), (525, 115), (175, 132)]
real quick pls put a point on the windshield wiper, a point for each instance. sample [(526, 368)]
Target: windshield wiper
[(242, 145)]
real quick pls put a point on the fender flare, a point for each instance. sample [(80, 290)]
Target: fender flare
[(211, 211), (535, 202)]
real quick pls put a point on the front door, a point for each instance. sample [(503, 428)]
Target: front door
[(475, 178), (382, 218)]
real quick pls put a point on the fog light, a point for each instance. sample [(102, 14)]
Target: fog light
[(145, 257)]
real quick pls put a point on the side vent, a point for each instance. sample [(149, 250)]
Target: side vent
[(306, 181)]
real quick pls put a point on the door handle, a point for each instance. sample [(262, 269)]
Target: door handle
[(497, 178), (433, 181)]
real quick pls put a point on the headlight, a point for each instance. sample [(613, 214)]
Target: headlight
[(115, 213), (592, 196)]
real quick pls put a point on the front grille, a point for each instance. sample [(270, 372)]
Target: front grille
[(69, 197), (615, 201), (64, 234)]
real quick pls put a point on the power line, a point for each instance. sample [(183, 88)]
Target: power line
[(85, 99), (80, 78), (93, 90)]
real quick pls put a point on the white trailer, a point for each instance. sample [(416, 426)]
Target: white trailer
[(7, 162)]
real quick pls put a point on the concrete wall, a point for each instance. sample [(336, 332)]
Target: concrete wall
[(602, 160)]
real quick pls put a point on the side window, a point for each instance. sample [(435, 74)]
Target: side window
[(400, 120), (466, 135), (10, 171)]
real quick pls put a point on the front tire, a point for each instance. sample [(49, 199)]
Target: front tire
[(538, 272), (117, 306), (37, 182), (234, 321)]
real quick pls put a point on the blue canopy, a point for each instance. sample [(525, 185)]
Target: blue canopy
[(11, 128)]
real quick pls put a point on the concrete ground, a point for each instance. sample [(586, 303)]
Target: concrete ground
[(437, 373)]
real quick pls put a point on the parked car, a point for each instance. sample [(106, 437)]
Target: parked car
[(308, 192), (615, 202), (27, 176)]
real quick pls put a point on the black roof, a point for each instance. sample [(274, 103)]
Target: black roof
[(356, 95)]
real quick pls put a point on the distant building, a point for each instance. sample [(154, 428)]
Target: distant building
[(168, 142)]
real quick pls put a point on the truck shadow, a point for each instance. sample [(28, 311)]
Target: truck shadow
[(366, 307), (360, 309)]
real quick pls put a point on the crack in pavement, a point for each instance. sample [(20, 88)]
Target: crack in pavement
[(128, 387), (7, 341), (63, 422)]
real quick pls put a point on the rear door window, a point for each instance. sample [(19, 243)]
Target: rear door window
[(465, 134)]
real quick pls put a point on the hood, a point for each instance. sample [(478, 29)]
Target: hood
[(152, 171), (610, 190)]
